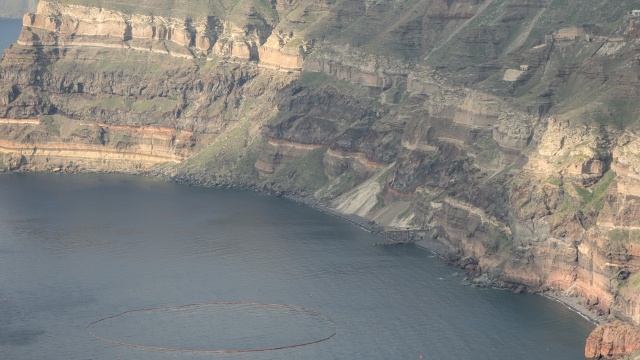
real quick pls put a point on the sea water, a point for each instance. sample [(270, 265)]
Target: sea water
[(159, 265)]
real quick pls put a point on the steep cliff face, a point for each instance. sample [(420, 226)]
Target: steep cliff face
[(505, 130), (54, 143), (55, 24), (612, 341)]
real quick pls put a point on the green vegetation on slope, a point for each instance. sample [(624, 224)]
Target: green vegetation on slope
[(496, 240), (562, 13), (182, 8), (169, 8), (631, 286), (230, 155), (619, 112), (305, 174), (590, 201), (624, 235)]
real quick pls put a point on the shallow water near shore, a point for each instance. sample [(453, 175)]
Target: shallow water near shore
[(75, 249)]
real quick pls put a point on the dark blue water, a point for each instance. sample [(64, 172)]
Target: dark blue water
[(75, 249), (9, 31)]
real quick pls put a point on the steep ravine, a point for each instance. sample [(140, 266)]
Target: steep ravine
[(491, 128)]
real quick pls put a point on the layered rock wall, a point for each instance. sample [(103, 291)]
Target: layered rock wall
[(57, 24), (55, 145), (613, 341), (76, 20)]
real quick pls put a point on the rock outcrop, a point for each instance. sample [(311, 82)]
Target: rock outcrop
[(54, 144), (612, 341), (56, 24)]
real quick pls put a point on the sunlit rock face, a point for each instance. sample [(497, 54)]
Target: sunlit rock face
[(613, 341)]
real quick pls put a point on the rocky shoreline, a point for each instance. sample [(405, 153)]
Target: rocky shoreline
[(575, 303)]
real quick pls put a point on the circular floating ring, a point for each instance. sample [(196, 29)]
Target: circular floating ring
[(297, 308)]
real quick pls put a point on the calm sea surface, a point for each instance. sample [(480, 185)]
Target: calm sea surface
[(190, 268), (9, 31)]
